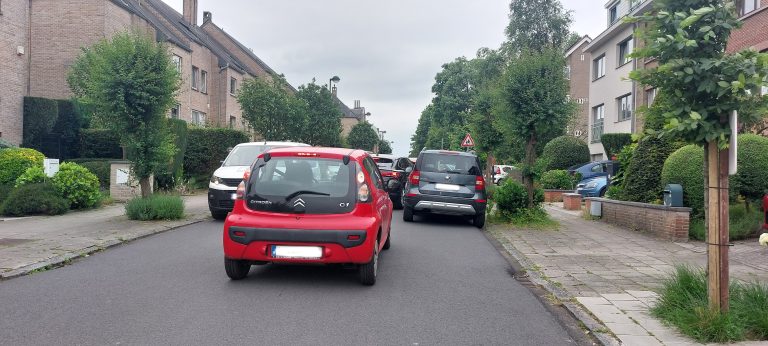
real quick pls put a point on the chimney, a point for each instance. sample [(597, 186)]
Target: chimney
[(207, 16), (190, 12), (357, 104), (333, 91)]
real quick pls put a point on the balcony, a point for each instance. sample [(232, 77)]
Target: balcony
[(597, 131)]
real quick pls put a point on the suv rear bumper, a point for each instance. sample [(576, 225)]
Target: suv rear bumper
[(444, 205)]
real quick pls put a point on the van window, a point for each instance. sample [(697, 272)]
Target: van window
[(244, 155)]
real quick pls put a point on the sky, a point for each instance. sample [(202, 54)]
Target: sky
[(386, 53)]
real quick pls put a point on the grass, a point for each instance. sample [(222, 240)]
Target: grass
[(155, 207), (683, 304), (743, 224), (535, 218)]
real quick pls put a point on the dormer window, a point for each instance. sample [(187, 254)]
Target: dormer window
[(613, 14)]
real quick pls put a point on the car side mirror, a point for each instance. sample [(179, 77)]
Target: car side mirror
[(409, 170), (393, 185)]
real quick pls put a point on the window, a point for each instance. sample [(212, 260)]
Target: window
[(598, 67), (445, 163), (625, 49), (568, 72), (232, 122), (625, 107), (747, 6), (373, 171), (195, 77), (198, 118), (177, 62), (175, 111), (613, 14), (232, 85), (650, 96), (598, 118), (582, 57), (634, 3), (203, 82)]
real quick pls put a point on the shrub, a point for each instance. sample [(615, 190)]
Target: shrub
[(614, 142), (743, 224), (99, 167), (642, 182), (100, 143), (78, 185), (686, 167), (511, 197), (752, 177), (155, 207), (31, 199), (5, 189), (565, 151), (40, 114), (5, 144), (33, 175), (14, 162), (174, 174), (206, 148), (557, 180)]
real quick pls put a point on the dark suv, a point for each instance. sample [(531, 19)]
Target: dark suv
[(446, 182)]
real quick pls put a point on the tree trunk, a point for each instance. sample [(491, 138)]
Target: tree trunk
[(146, 188), (530, 161)]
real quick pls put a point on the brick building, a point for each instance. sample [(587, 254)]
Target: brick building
[(577, 72), (14, 66)]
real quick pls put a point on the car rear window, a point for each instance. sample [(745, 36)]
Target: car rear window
[(383, 162), (301, 185), (448, 163)]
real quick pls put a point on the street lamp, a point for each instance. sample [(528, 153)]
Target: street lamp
[(333, 80)]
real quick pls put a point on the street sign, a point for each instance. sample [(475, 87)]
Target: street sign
[(468, 141)]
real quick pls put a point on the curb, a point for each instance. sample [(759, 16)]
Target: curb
[(596, 328), (62, 260)]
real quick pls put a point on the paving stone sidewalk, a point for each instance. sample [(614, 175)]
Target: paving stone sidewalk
[(614, 272), (31, 243)]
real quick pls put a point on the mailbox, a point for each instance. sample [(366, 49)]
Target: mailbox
[(765, 211), (673, 195)]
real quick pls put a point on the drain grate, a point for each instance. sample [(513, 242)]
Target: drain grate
[(12, 242)]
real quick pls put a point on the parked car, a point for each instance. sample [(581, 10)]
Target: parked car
[(309, 205), (224, 181), (501, 172), (393, 168), (595, 169), (446, 182), (592, 187)]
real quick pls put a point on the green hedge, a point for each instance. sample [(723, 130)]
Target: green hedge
[(100, 143), (557, 180), (642, 181), (752, 177), (206, 148), (99, 167), (155, 207), (15, 161), (32, 199), (40, 116), (512, 197), (614, 142), (168, 179), (564, 152), (686, 167)]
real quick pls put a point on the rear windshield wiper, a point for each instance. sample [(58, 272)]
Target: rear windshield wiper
[(306, 192), (454, 172)]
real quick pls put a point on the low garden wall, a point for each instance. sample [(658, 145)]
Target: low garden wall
[(551, 196), (572, 201), (669, 223)]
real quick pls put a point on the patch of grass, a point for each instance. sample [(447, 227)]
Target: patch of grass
[(743, 224), (155, 207), (683, 303), (535, 218)]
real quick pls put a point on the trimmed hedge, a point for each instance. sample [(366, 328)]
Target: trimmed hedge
[(99, 167), (168, 179), (564, 152), (32, 199), (78, 185), (686, 167), (15, 161), (63, 142), (206, 147), (643, 179), (557, 180), (40, 116), (512, 197), (100, 143), (614, 142), (155, 207), (752, 177)]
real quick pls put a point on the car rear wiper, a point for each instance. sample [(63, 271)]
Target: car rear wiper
[(306, 192), (454, 172)]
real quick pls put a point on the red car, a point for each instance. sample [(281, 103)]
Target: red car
[(309, 205)]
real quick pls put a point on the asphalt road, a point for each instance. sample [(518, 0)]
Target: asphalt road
[(441, 283)]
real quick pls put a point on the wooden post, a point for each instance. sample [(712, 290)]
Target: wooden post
[(717, 227)]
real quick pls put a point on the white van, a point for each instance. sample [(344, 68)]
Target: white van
[(223, 184)]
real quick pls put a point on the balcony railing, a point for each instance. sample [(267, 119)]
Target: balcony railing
[(597, 131)]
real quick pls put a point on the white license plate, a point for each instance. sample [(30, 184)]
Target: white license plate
[(447, 187), (234, 196), (303, 252)]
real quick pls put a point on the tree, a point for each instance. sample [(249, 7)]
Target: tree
[(385, 147), (271, 111), (131, 83), (419, 138), (536, 25), (362, 136), (532, 105), (324, 117)]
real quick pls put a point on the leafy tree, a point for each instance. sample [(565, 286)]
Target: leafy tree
[(385, 147), (532, 105), (537, 25), (323, 125), (131, 82), (271, 111), (362, 136), (419, 139)]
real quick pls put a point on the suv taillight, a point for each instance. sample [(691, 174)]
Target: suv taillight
[(414, 178), (479, 183)]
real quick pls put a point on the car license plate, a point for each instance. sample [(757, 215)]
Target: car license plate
[(447, 187), (234, 196), (303, 252)]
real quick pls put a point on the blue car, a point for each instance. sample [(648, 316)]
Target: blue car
[(593, 187), (595, 169)]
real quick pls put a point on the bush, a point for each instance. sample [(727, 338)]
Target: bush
[(686, 167), (642, 182), (155, 207), (99, 167), (614, 142), (564, 152), (206, 148), (511, 197), (5, 144), (33, 175), (100, 143), (752, 177), (14, 162), (174, 174), (5, 189), (743, 224), (33, 199), (557, 180), (78, 185), (40, 115)]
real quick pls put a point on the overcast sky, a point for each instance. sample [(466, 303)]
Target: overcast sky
[(385, 52)]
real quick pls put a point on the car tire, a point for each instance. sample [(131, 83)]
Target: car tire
[(218, 215), (602, 193), (369, 270), (237, 269), (388, 243), (479, 220), (407, 214)]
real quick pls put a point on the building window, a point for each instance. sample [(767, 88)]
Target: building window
[(232, 122), (177, 62), (175, 111), (598, 67), (232, 85), (625, 107), (625, 49), (613, 14), (650, 96), (582, 57), (747, 6), (203, 82), (568, 72), (598, 119), (195, 77), (198, 118)]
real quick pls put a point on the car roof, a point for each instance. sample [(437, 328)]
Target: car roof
[(270, 143), (354, 153), (449, 152)]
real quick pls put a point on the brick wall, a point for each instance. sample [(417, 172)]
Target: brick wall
[(347, 124), (662, 222), (233, 107), (754, 33), (14, 68)]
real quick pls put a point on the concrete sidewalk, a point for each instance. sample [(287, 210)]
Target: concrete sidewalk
[(31, 243), (614, 273)]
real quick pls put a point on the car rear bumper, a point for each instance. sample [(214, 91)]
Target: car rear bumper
[(220, 200), (445, 205)]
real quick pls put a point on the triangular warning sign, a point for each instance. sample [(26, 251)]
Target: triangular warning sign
[(468, 141)]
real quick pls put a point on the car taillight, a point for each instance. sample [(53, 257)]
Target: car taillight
[(479, 183), (497, 170), (240, 193), (363, 193), (414, 178)]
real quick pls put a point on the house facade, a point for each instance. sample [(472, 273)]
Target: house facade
[(577, 71), (14, 66)]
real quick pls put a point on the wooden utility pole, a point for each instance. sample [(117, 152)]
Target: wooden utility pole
[(717, 226)]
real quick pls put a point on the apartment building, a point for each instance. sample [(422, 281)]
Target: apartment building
[(577, 70)]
